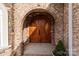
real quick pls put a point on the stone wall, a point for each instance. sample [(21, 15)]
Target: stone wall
[(10, 22), (58, 10), (76, 29)]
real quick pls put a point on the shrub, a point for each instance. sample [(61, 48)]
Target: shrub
[(59, 49)]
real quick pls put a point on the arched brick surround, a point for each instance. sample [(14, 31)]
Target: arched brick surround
[(26, 21)]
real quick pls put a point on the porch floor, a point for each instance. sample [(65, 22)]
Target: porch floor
[(38, 49)]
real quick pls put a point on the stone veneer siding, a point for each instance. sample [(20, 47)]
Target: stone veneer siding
[(75, 29)]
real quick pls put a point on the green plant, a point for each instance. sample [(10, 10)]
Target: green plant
[(59, 49)]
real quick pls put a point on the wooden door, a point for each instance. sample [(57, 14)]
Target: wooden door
[(40, 30)]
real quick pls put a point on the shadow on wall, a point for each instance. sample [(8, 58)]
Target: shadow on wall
[(19, 51)]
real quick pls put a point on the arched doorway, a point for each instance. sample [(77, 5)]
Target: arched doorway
[(41, 33), (44, 22)]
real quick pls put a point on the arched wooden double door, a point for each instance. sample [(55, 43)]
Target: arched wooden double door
[(40, 30)]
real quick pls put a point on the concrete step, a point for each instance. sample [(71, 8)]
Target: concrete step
[(38, 49)]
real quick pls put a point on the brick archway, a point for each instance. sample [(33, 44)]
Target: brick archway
[(28, 20), (51, 20)]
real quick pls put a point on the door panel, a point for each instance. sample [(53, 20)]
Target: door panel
[(42, 32), (34, 37)]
